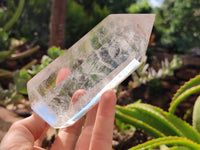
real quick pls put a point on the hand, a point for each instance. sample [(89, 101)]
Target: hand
[(94, 132)]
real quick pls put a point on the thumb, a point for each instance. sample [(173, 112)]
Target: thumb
[(24, 133)]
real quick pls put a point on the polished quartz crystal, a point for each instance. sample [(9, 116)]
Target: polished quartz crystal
[(99, 61)]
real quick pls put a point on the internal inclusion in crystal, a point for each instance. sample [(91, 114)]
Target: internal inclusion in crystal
[(93, 61)]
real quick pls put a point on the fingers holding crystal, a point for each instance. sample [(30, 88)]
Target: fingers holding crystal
[(62, 74), (102, 139), (83, 142), (74, 137), (76, 96), (67, 137)]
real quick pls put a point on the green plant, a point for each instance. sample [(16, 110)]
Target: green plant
[(32, 23), (124, 127), (155, 87), (4, 33), (140, 7), (175, 27), (145, 73), (188, 89), (53, 53), (20, 80), (16, 91), (196, 116), (179, 142), (12, 43), (15, 17), (166, 127), (12, 54), (9, 96)]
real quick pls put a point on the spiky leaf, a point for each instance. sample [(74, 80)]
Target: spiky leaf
[(191, 83), (179, 148), (164, 122), (186, 90), (196, 115), (137, 123), (155, 119), (170, 141)]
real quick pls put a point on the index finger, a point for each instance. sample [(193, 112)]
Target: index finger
[(103, 128), (63, 73)]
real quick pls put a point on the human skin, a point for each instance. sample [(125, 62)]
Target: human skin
[(92, 132)]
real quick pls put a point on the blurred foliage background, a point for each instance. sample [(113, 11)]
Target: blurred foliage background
[(177, 22)]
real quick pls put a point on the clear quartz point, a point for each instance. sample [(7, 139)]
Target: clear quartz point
[(99, 61)]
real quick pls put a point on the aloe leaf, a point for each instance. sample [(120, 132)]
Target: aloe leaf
[(186, 90), (138, 123), (185, 129), (182, 96), (169, 141), (179, 148), (156, 119), (188, 113), (192, 82), (196, 115)]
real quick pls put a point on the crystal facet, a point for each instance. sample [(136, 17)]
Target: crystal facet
[(99, 61)]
